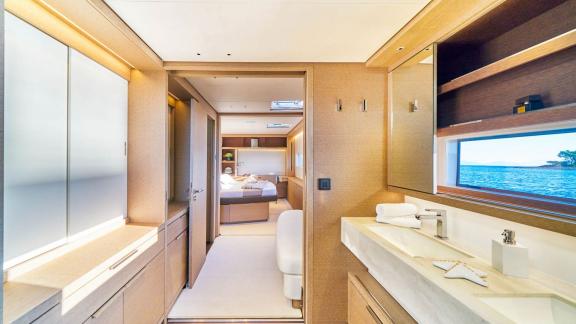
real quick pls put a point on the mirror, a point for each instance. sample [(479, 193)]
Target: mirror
[(412, 123)]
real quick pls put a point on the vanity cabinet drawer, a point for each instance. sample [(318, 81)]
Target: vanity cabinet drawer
[(369, 302), (112, 312), (361, 307), (144, 294), (175, 267)]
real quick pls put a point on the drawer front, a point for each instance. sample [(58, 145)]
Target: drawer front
[(362, 309), (176, 267), (176, 227), (110, 313), (144, 294)]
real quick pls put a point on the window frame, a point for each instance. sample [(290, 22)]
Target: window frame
[(558, 206)]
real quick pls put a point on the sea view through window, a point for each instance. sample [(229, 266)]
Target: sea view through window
[(538, 163)]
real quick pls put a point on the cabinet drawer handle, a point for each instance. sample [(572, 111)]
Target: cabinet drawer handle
[(106, 305), (374, 316), (124, 258), (382, 308)]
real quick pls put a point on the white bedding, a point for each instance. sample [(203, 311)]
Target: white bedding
[(234, 189)]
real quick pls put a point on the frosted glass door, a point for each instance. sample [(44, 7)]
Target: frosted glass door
[(98, 108), (35, 147)]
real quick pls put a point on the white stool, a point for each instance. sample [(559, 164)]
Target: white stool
[(290, 250)]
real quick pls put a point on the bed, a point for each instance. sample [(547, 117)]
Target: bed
[(245, 199)]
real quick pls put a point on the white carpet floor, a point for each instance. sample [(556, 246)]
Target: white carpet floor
[(240, 278)]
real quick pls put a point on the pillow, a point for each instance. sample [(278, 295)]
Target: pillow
[(227, 179)]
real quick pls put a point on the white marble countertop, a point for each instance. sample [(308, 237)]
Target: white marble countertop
[(421, 288)]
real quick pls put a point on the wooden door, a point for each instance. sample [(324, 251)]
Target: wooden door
[(198, 210)]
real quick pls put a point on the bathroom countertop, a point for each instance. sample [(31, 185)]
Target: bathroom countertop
[(421, 288)]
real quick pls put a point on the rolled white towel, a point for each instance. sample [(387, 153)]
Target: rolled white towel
[(396, 210), (403, 221)]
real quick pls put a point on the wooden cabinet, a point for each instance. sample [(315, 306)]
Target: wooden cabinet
[(368, 302), (175, 267), (144, 294), (112, 312), (362, 309), (295, 193)]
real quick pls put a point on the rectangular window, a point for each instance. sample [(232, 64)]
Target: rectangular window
[(538, 165)]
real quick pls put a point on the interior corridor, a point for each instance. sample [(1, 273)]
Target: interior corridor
[(240, 278)]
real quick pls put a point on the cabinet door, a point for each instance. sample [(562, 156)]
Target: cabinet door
[(144, 294), (361, 308), (110, 313), (412, 124), (176, 268)]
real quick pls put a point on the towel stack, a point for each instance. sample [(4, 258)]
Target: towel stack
[(399, 214)]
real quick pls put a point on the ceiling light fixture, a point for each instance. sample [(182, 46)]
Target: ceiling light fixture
[(287, 105), (277, 125)]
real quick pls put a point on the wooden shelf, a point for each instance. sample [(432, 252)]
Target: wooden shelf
[(545, 115), (530, 54)]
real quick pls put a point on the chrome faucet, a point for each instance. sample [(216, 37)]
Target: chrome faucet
[(441, 221)]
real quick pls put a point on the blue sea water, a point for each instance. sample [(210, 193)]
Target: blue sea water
[(541, 181)]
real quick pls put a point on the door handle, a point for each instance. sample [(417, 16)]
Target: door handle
[(195, 191)]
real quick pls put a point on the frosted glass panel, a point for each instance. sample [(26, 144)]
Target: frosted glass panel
[(98, 108), (35, 125), (261, 162)]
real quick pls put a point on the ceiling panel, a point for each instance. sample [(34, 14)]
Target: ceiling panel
[(247, 94), (239, 125), (266, 30)]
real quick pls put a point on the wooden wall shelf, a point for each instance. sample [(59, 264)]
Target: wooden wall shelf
[(545, 115), (530, 54)]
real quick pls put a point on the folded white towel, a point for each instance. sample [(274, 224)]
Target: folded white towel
[(404, 221), (396, 210)]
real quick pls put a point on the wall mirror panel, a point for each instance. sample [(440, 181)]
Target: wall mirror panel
[(412, 124)]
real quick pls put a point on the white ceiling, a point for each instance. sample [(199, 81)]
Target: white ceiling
[(239, 125), (266, 30), (247, 94)]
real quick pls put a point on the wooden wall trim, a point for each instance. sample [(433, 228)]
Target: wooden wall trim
[(147, 146), (547, 222), (196, 95), (53, 23), (424, 29), (99, 20)]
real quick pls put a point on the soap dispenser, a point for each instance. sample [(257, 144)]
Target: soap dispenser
[(509, 257)]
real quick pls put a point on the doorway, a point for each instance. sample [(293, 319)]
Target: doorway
[(241, 237)]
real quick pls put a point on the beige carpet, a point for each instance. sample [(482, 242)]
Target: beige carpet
[(258, 228), (240, 280)]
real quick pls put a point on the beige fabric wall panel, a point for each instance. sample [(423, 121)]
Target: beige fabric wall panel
[(349, 148), (147, 146)]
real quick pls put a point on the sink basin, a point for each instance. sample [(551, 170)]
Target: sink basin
[(416, 244), (533, 308)]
